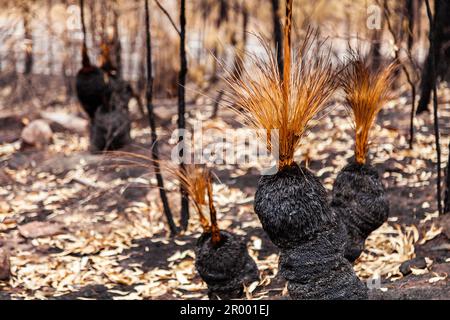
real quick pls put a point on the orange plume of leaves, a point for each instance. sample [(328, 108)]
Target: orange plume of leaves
[(284, 106), (366, 92)]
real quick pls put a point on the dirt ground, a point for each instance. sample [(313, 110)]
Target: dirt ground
[(79, 226)]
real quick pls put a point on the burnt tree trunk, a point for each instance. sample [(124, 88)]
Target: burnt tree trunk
[(50, 37), (433, 63), (182, 108), (65, 66), (28, 37), (151, 120), (240, 46), (116, 42), (93, 23), (447, 186), (375, 49), (440, 56), (278, 35)]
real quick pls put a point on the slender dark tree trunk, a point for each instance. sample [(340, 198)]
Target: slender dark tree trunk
[(50, 37), (182, 108), (116, 41), (93, 23), (375, 49), (447, 188), (411, 11), (441, 55), (83, 23), (432, 55), (151, 120), (65, 66), (240, 46), (278, 35), (28, 40)]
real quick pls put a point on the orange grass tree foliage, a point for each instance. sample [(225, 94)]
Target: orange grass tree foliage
[(366, 92), (284, 105), (197, 181)]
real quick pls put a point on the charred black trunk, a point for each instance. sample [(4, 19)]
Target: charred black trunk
[(182, 108), (447, 186), (226, 267), (152, 123), (111, 125), (91, 89), (110, 129), (360, 202), (277, 33), (439, 55), (292, 207)]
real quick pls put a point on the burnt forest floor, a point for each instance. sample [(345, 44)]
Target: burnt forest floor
[(79, 226)]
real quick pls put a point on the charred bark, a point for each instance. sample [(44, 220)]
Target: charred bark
[(293, 210), (182, 109), (434, 60), (28, 37), (152, 124), (225, 267), (278, 34), (116, 42), (438, 55), (447, 184), (359, 200)]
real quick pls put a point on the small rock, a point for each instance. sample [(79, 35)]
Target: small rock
[(38, 133), (5, 266), (38, 229), (417, 263), (67, 121)]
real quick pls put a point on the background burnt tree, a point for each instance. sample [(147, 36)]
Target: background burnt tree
[(408, 67), (447, 186), (50, 37), (182, 108), (28, 38), (440, 54), (277, 33), (151, 120), (115, 42), (434, 38)]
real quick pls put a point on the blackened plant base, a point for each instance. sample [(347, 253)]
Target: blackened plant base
[(360, 201), (293, 210), (226, 267), (110, 130), (91, 89)]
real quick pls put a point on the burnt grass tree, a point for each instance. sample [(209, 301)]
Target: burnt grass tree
[(221, 257), (105, 102), (358, 196), (91, 87), (152, 124), (292, 203)]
